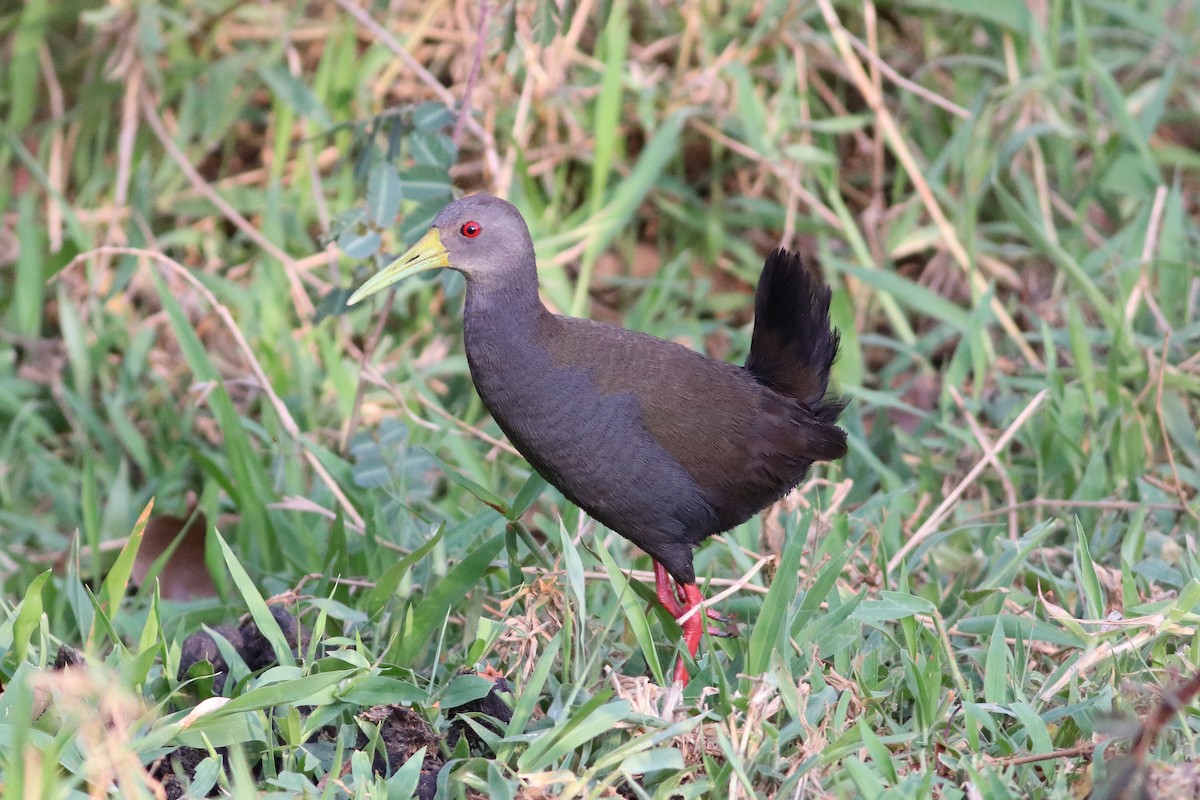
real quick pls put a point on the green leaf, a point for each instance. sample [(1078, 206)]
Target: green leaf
[(418, 220), (635, 613), (530, 491), (769, 628), (403, 783), (892, 606), (359, 242), (592, 719), (25, 621), (877, 749), (1020, 628), (464, 689), (1035, 726), (425, 183), (431, 117), (117, 581), (259, 611), (819, 592), (1089, 581), (489, 497), (907, 292), (429, 614), (433, 150), (660, 758), (615, 42), (527, 697), (375, 690), (383, 193), (995, 670), (385, 587), (285, 686)]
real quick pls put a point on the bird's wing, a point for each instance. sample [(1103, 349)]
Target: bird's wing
[(730, 432)]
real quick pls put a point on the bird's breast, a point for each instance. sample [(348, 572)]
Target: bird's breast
[(588, 440)]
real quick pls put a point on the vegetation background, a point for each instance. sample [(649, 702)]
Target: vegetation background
[(995, 594)]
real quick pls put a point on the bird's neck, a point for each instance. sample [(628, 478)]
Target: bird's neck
[(502, 314)]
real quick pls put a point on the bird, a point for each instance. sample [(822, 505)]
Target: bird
[(659, 443)]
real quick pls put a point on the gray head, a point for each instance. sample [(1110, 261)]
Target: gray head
[(484, 235), (481, 236)]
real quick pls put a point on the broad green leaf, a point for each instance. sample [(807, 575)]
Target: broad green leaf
[(383, 193), (464, 689), (376, 690), (892, 606), (427, 183)]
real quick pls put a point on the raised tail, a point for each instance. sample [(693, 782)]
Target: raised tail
[(793, 346)]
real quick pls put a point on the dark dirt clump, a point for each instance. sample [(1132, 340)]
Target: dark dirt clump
[(249, 643), (404, 732), (490, 704), (176, 769)]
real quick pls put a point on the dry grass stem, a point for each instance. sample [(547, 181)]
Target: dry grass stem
[(943, 509)]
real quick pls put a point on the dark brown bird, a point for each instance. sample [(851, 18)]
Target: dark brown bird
[(661, 444)]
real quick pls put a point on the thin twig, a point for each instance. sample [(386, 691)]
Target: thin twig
[(985, 442), (1103, 505), (736, 587), (1078, 750), (904, 83), (1180, 492), (776, 167), (466, 427), (464, 111), (1141, 289)]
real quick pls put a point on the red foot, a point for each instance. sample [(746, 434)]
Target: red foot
[(683, 599), (666, 596)]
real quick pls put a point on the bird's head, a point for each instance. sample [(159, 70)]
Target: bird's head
[(481, 236)]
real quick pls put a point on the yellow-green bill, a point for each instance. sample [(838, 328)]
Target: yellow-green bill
[(427, 253)]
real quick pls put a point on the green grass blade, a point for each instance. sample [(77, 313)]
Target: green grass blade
[(635, 614), (767, 635), (430, 612), (256, 605)]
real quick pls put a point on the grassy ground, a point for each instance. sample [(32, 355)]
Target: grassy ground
[(995, 594)]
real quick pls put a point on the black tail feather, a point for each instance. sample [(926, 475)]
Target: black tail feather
[(793, 346)]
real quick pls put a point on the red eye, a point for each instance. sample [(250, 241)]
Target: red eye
[(471, 229)]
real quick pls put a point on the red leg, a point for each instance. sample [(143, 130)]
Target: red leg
[(692, 628), (676, 608), (662, 587), (678, 599)]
